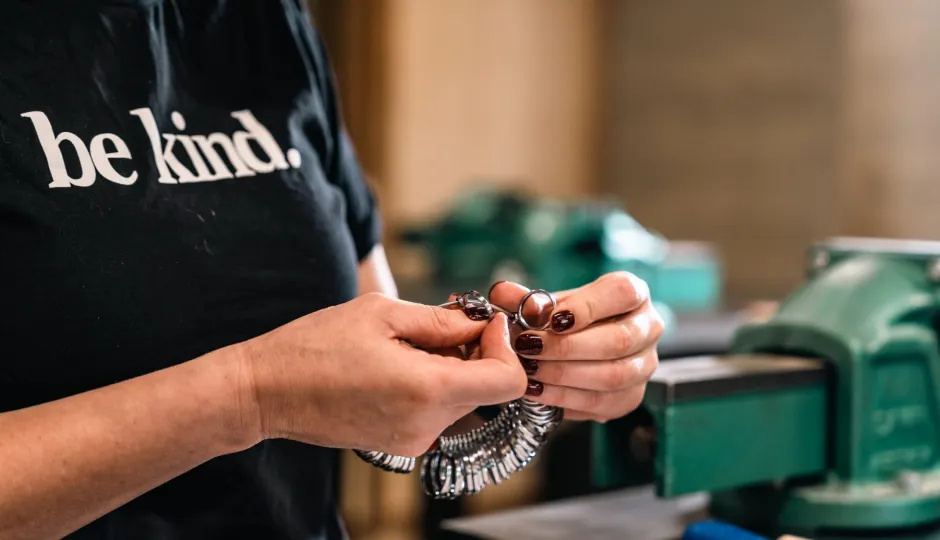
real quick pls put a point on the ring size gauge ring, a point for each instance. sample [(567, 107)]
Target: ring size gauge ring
[(520, 317), (465, 464), (474, 305)]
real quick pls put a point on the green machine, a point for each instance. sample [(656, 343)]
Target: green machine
[(823, 421), (491, 235)]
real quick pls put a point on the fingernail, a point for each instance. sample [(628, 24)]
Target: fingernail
[(562, 321), (530, 366), (534, 388), (528, 344), (493, 286), (477, 312)]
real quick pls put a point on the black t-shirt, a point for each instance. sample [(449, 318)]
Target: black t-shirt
[(174, 178)]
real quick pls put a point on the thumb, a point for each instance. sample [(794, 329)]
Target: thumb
[(432, 327), (497, 377)]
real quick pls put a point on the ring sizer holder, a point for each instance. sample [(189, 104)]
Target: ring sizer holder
[(465, 464)]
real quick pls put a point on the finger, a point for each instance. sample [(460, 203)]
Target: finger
[(431, 327), (471, 349), (600, 376), (623, 336), (610, 295), (497, 377), (602, 405), (508, 295)]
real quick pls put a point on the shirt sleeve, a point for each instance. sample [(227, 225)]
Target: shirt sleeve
[(342, 165)]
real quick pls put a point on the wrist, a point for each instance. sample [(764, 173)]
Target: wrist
[(240, 414)]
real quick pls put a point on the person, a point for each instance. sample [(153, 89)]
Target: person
[(197, 309)]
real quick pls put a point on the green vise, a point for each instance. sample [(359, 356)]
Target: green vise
[(823, 420), (490, 235)]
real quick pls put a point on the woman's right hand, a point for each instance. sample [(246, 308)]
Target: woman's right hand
[(344, 378)]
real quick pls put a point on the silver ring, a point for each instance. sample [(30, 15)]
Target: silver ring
[(469, 296), (520, 318)]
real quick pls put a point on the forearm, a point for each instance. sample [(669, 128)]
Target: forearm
[(67, 462), (375, 276)]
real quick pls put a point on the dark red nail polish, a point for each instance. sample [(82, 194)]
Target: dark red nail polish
[(530, 366), (563, 320), (528, 344), (477, 312), (534, 388), (493, 286)]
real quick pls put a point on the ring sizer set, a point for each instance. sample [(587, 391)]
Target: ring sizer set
[(465, 464)]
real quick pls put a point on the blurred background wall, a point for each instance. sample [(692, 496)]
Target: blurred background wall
[(891, 136), (446, 94), (759, 127), (720, 123)]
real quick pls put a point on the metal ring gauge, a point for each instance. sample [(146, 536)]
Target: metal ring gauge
[(465, 464)]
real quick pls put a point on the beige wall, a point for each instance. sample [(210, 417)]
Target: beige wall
[(764, 126), (721, 123), (891, 177), (487, 89)]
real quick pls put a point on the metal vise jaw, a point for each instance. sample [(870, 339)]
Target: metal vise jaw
[(826, 417)]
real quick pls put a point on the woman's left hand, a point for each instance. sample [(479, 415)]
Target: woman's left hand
[(599, 352)]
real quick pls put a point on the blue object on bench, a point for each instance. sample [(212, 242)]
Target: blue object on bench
[(716, 530)]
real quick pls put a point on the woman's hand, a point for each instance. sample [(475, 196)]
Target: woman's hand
[(599, 352), (343, 378)]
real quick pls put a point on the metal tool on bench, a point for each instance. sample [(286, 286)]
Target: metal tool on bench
[(467, 463), (825, 419)]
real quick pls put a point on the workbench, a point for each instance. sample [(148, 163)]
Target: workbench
[(632, 514), (628, 514)]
